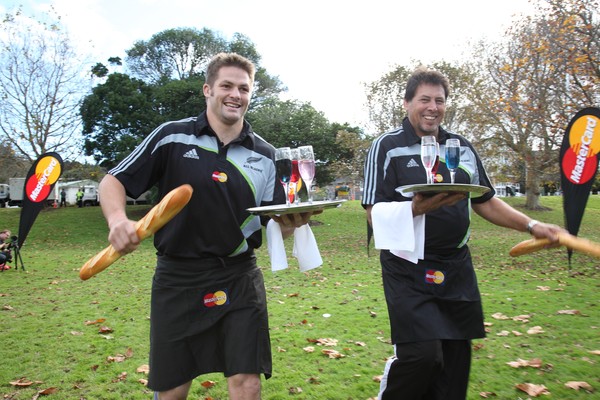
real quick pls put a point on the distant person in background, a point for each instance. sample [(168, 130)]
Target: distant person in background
[(79, 197), (4, 248), (63, 198)]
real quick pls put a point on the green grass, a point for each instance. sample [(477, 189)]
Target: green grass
[(43, 313)]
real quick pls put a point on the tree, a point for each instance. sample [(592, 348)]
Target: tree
[(40, 88), (11, 165), (116, 116), (293, 124), (523, 100), (352, 151), (385, 97), (174, 54), (184, 53)]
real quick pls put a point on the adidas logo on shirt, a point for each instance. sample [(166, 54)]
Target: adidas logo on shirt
[(191, 154), (412, 163)]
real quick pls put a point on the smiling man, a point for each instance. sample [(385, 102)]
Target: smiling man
[(430, 286), (208, 305)]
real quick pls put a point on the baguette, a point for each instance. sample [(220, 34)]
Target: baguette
[(155, 219), (565, 239)]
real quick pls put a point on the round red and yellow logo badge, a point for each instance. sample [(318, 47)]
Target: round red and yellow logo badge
[(579, 162), (46, 174)]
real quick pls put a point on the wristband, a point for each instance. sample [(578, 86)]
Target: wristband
[(531, 224)]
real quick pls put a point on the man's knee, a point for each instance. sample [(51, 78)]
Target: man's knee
[(245, 386)]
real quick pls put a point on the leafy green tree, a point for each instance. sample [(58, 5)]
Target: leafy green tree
[(293, 124), (173, 54), (116, 116), (352, 151)]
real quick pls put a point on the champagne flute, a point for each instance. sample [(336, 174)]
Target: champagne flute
[(452, 156), (295, 177), (306, 166), (283, 165), (428, 155)]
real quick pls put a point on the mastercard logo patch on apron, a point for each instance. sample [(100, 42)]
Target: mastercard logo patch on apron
[(217, 298), (434, 277)]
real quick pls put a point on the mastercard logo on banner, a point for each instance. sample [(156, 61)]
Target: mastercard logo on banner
[(217, 298), (47, 172), (434, 276), (219, 176), (580, 160)]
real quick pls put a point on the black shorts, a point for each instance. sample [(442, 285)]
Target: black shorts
[(207, 316)]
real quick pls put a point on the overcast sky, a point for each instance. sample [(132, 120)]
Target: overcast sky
[(322, 50)]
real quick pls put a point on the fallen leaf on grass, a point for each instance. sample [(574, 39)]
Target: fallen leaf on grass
[(377, 378), (568, 312), (332, 353), (7, 308), (294, 390), (535, 330), (76, 333), (579, 385), (534, 363), (143, 369), (105, 329), (98, 321), (499, 316), (309, 349), (596, 352), (143, 381), (543, 288), (324, 341), (487, 395), (208, 384), (522, 318), (532, 389), (21, 382), (45, 392), (120, 378)]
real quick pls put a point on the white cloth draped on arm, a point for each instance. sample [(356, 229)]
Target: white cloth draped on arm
[(305, 248), (395, 229)]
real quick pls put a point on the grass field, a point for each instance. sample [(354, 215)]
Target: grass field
[(72, 339)]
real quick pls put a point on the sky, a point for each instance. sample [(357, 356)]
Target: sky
[(323, 51)]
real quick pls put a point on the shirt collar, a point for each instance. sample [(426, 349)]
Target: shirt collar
[(245, 139)]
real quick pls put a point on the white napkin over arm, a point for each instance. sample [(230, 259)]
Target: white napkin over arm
[(275, 246), (395, 229), (305, 248)]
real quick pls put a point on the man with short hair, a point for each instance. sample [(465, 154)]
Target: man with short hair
[(208, 306), (431, 290)]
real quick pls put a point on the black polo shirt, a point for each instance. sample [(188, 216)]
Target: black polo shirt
[(226, 181), (394, 160)]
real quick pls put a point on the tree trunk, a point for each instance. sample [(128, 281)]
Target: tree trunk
[(532, 188)]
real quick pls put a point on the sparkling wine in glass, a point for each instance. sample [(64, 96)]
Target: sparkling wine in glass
[(452, 156), (283, 165), (428, 155), (295, 177), (306, 166)]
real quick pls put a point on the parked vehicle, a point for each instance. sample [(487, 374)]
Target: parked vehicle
[(4, 194), (16, 186)]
